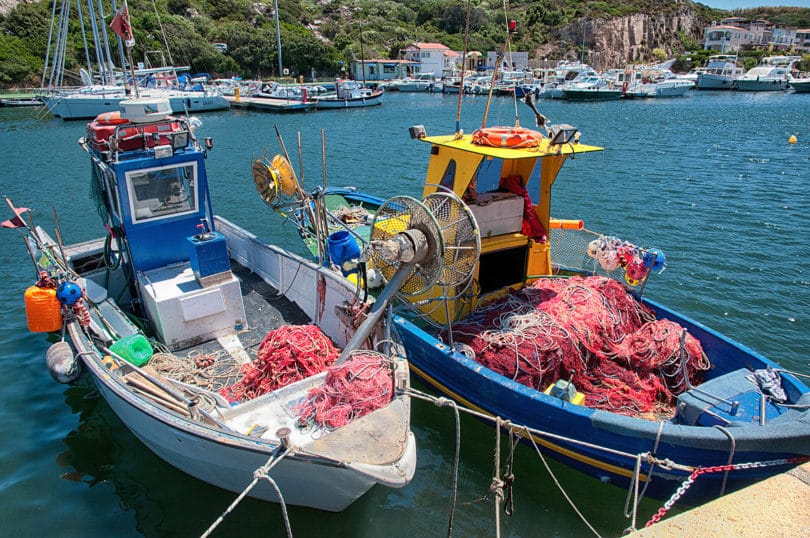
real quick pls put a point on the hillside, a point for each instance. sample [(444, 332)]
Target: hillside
[(322, 36)]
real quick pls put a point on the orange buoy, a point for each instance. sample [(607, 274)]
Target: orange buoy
[(111, 118), (507, 137), (42, 310)]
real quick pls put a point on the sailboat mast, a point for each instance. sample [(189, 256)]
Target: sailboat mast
[(278, 39), (362, 56)]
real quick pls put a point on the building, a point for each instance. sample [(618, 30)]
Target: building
[(783, 38), (512, 61), (381, 70), (432, 58), (802, 42), (735, 33)]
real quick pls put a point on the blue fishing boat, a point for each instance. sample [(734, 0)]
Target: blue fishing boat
[(230, 358), (552, 333)]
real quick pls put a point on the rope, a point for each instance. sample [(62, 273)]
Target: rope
[(559, 486), (445, 402), (260, 473)]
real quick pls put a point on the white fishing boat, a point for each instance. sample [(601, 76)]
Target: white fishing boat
[(243, 368), (349, 94)]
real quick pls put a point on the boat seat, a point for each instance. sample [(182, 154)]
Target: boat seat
[(335, 202), (711, 403)]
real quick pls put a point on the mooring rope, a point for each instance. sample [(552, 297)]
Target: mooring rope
[(262, 472)]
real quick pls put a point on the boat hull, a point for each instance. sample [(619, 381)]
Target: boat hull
[(801, 86), (472, 385), (351, 102), (595, 94), (74, 107), (714, 82), (229, 463), (754, 85)]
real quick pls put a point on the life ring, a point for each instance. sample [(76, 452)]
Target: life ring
[(507, 137), (111, 118)]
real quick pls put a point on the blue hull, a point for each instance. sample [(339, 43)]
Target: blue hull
[(477, 387), (616, 438)]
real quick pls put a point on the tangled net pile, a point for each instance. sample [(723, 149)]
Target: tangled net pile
[(285, 355), (622, 358), (358, 386)]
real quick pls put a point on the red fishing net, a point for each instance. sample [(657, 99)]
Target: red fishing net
[(621, 357), (287, 354), (360, 385)]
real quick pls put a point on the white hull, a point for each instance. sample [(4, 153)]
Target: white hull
[(351, 102), (761, 85), (672, 90), (327, 471), (801, 86), (714, 82), (76, 106), (229, 462)]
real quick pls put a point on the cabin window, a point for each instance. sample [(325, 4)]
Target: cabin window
[(449, 176), (167, 191), (488, 175)]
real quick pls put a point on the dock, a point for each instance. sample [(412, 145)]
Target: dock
[(776, 506), (271, 105)]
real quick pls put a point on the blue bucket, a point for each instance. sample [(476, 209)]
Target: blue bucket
[(342, 249)]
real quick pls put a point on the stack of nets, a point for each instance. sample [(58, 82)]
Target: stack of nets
[(285, 355), (358, 386), (621, 357)]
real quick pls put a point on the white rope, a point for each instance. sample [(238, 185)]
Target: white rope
[(258, 474)]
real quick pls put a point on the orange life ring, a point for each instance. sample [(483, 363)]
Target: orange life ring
[(507, 137), (111, 118)]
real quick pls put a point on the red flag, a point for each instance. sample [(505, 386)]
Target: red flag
[(16, 221), (120, 25)]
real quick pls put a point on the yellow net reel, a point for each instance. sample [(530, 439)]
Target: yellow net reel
[(285, 174), (274, 176)]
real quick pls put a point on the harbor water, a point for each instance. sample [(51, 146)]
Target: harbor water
[(709, 178)]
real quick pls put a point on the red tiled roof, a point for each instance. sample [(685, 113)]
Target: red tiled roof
[(429, 46)]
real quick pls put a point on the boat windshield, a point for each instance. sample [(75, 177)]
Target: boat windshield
[(488, 178), (156, 193)]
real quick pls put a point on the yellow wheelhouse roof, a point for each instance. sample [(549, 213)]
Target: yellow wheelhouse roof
[(543, 149)]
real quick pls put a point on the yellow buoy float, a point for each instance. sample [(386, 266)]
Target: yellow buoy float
[(792, 139)]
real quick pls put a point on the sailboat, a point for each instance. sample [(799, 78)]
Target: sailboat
[(92, 99)]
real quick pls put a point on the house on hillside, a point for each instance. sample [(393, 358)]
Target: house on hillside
[(736, 33), (432, 58), (382, 70), (803, 41)]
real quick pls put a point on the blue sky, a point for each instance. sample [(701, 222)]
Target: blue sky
[(735, 4)]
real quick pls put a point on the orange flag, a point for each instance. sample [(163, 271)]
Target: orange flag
[(120, 25)]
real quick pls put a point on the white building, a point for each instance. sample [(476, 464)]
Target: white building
[(374, 70), (432, 57), (512, 61)]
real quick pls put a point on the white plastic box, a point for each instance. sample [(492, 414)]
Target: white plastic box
[(185, 313), (497, 213)]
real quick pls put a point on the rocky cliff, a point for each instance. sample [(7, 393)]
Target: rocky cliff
[(630, 39)]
